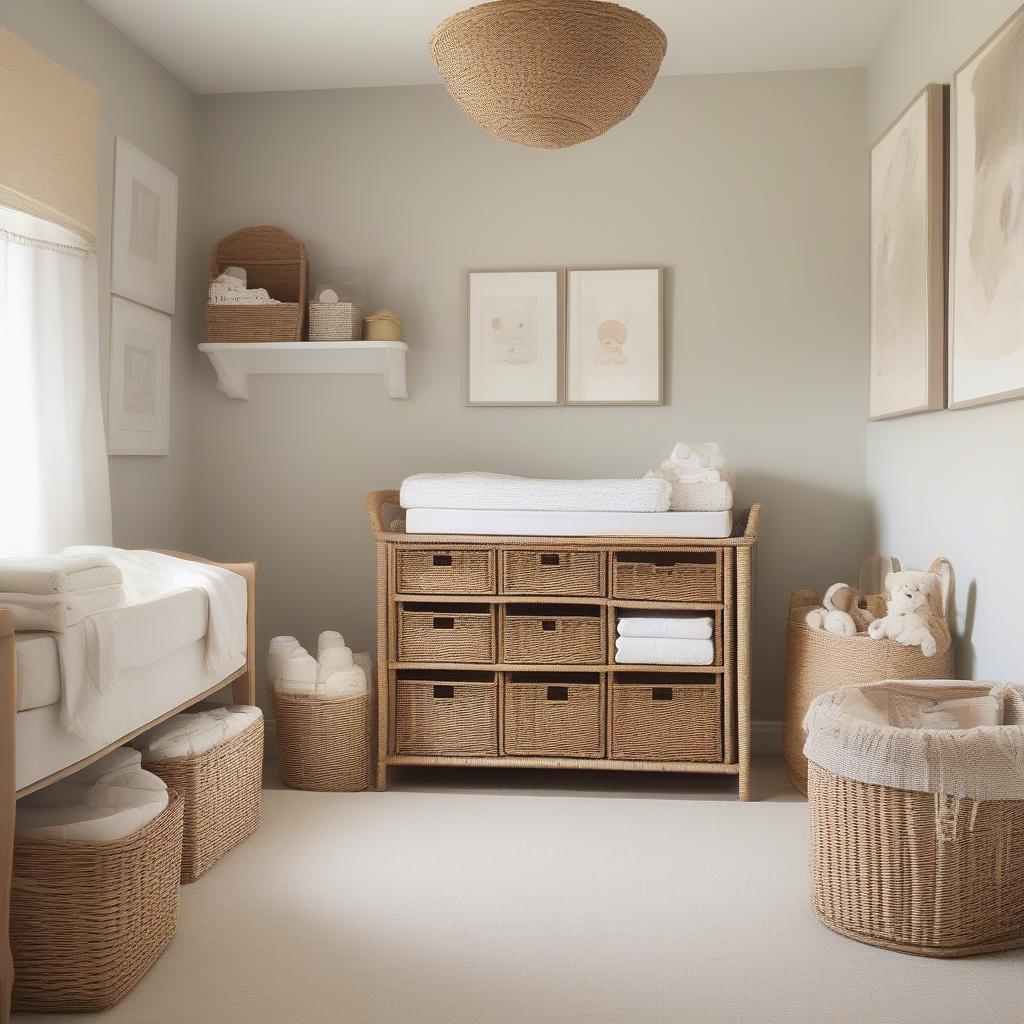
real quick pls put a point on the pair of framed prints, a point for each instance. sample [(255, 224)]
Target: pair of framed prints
[(579, 337)]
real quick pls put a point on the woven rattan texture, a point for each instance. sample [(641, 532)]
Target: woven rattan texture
[(552, 638), (437, 718), (577, 573), (683, 580), (556, 721), (444, 571), (445, 636), (684, 727)]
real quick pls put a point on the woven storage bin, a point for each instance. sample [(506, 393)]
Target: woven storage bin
[(221, 789), (335, 321), (448, 633), (649, 576), (454, 713), (918, 872), (382, 326), (553, 635), (554, 714), (275, 260), (444, 571), (577, 573), (663, 716), (323, 742), (89, 919), (547, 73), (818, 661)]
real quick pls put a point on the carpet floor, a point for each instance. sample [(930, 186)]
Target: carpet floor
[(499, 897)]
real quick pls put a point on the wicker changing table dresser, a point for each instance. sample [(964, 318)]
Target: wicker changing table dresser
[(500, 651)]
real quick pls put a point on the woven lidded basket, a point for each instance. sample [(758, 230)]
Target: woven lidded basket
[(818, 661), (89, 919), (334, 321), (547, 73), (917, 835), (323, 742), (221, 789)]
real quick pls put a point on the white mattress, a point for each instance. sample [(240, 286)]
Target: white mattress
[(38, 670), (569, 524)]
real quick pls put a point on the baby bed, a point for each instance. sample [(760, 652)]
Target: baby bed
[(176, 684)]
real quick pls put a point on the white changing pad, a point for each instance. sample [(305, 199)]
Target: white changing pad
[(38, 670), (568, 524)]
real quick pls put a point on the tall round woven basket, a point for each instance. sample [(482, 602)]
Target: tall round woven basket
[(818, 661), (323, 742), (548, 73)]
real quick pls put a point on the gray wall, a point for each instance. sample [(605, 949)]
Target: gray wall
[(749, 189), (950, 482), (142, 101)]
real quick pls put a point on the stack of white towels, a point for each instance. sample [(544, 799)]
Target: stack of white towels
[(332, 673), (110, 799), (665, 640), (195, 732), (700, 479), (51, 593)]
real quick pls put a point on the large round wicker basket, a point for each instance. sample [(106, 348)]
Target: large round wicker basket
[(548, 73)]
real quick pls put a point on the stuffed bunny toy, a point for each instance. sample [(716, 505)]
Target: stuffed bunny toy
[(840, 612), (914, 601)]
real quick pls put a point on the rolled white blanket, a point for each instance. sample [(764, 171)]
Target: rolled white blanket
[(667, 627), (495, 492), (54, 613), (637, 650), (281, 649), (336, 659), (194, 733), (349, 683), (299, 674), (57, 574), (328, 639), (703, 497)]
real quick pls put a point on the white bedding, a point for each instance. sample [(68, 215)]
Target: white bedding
[(569, 524), (38, 670)]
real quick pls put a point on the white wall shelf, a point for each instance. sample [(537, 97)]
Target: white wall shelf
[(234, 362)]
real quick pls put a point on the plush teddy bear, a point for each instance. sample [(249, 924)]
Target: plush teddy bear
[(840, 612), (913, 603)]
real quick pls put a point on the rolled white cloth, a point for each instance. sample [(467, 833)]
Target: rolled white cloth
[(637, 650), (495, 492), (298, 674), (54, 613), (349, 683), (337, 659), (281, 649), (677, 628), (327, 639), (57, 574), (193, 733)]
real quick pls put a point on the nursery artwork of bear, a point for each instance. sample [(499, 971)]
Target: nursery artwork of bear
[(510, 323)]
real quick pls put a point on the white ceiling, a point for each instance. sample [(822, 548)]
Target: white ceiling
[(270, 45)]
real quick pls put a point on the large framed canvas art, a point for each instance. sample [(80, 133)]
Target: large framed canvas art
[(986, 351), (908, 260)]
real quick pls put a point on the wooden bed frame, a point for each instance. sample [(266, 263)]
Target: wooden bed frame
[(243, 691)]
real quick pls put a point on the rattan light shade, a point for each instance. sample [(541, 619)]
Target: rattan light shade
[(548, 73)]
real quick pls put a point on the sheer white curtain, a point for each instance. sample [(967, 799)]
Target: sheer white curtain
[(54, 487)]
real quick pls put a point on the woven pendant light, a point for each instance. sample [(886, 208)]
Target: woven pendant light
[(548, 73)]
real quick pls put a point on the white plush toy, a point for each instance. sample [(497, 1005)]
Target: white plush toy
[(840, 612), (914, 600)]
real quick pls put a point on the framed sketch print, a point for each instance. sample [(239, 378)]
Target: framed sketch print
[(145, 230), (614, 348), (138, 421), (986, 352), (515, 337), (908, 261)]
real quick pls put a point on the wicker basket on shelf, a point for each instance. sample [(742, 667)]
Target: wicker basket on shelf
[(275, 260), (221, 789), (89, 919)]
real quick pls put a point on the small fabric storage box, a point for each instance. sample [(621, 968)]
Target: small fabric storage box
[(221, 789), (917, 833), (439, 713), (89, 919), (334, 321), (553, 714)]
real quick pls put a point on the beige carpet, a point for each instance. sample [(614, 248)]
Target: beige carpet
[(529, 898)]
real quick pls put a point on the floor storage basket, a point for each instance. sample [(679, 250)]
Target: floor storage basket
[(920, 870), (446, 713), (323, 742), (221, 789), (89, 919)]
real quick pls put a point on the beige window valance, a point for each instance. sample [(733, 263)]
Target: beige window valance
[(49, 139)]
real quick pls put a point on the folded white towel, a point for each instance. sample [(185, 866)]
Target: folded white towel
[(667, 627), (349, 683), (298, 675), (332, 683), (57, 574), (281, 649), (194, 733), (53, 613), (494, 492), (636, 650), (704, 497), (337, 659), (327, 639)]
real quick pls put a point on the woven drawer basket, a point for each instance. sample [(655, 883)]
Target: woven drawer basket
[(444, 571), (221, 789), (440, 634), (335, 321), (552, 635), (553, 714), (88, 919), (666, 717), (323, 743), (438, 716), (247, 324), (651, 576), (577, 573)]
